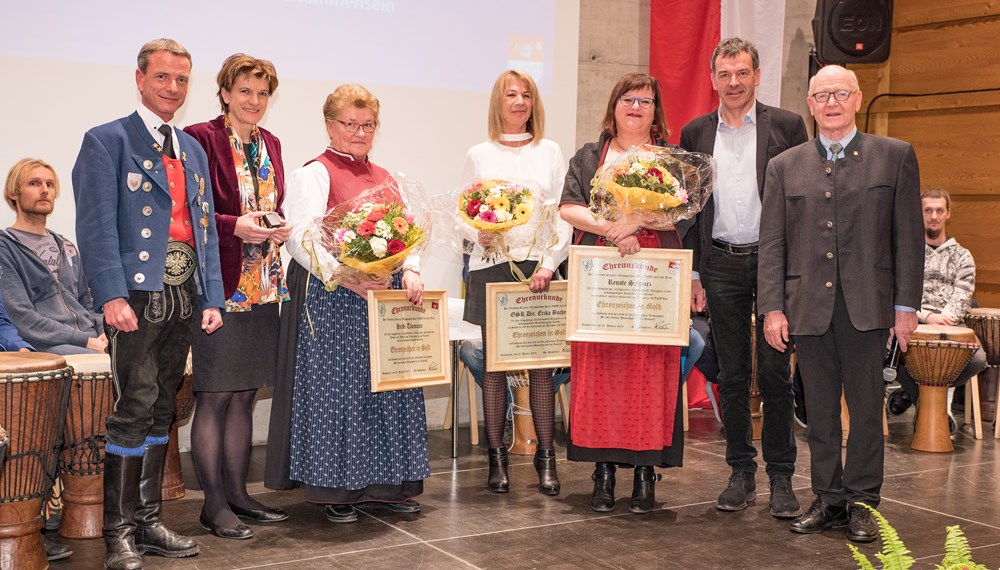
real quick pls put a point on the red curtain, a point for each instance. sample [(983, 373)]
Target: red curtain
[(682, 35)]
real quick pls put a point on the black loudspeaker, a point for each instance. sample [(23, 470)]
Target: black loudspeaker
[(853, 31)]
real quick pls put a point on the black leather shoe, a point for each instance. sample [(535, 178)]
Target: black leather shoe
[(819, 517), (783, 503), (603, 498), (340, 513), (545, 466), (643, 490), (265, 515), (54, 549), (407, 506), (497, 481), (742, 490), (238, 532), (899, 402), (151, 536), (861, 526)]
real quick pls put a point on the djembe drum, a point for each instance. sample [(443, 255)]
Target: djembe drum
[(81, 463), (525, 440), (986, 324), (33, 394), (934, 358), (173, 475)]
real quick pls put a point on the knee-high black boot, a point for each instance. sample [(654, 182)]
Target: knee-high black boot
[(150, 534), (545, 465), (121, 488), (643, 489), (603, 499), (498, 481)]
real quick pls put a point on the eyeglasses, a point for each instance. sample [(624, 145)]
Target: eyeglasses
[(353, 127), (839, 95), (628, 101)]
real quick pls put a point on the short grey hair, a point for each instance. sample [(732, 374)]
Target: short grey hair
[(732, 47), (161, 44)]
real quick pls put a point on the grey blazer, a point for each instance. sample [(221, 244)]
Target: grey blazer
[(856, 221)]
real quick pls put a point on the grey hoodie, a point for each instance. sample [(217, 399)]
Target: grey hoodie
[(47, 312)]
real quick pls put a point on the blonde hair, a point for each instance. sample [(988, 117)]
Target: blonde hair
[(350, 95), (536, 121), (18, 175), (242, 64)]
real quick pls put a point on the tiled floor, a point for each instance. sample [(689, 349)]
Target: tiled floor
[(464, 526)]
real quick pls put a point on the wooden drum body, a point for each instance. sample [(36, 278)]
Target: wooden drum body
[(173, 475), (81, 463), (934, 358), (33, 396), (986, 324)]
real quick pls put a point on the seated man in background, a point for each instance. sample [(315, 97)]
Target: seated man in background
[(949, 282), (41, 279)]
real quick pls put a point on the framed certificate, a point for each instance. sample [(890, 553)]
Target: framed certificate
[(408, 343), (523, 329), (637, 299)]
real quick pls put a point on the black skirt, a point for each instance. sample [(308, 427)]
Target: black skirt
[(475, 288), (239, 356), (279, 433)]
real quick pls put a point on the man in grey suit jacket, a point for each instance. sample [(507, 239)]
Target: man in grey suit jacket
[(743, 135), (841, 268)]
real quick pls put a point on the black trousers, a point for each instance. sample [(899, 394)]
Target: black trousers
[(847, 360), (148, 363), (731, 285)]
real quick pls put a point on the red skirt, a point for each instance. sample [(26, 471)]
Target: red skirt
[(624, 401)]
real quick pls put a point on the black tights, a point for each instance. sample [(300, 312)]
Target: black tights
[(542, 398), (220, 446)]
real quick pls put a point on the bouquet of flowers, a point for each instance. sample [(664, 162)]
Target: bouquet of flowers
[(370, 236), (493, 205), (654, 183)]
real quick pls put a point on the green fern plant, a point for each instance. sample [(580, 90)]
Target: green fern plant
[(895, 555), (957, 554)]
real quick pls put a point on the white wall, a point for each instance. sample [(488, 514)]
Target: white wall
[(425, 132)]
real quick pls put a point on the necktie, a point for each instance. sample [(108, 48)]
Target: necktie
[(835, 149), (168, 140)]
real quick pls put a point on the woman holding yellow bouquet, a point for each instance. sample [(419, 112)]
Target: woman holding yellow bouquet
[(516, 151), (625, 402)]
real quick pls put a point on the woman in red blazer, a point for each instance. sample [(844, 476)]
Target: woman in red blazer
[(248, 186)]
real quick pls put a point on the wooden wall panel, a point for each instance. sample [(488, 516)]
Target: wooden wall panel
[(958, 150), (908, 13), (938, 46)]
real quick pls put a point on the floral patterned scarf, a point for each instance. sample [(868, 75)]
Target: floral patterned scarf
[(262, 279)]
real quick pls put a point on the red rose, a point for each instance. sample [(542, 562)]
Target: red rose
[(375, 215), (366, 229), (396, 246), (473, 207), (655, 172)]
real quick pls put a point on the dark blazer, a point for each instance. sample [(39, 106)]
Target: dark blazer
[(123, 212), (856, 220), (777, 130), (215, 140)]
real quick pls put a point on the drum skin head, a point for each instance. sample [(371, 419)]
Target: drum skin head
[(944, 332), (89, 364), (24, 362)]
